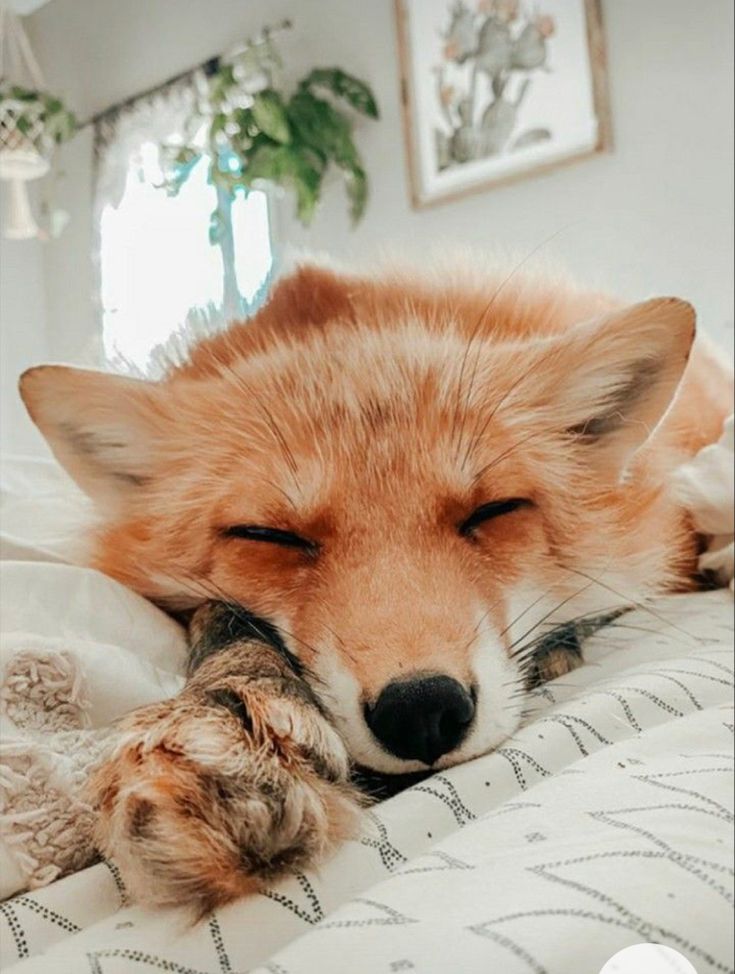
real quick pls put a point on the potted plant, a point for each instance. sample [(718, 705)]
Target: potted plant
[(33, 123), (253, 132)]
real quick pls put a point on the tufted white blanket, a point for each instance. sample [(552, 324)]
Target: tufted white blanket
[(605, 821)]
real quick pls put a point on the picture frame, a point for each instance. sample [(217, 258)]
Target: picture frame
[(494, 91)]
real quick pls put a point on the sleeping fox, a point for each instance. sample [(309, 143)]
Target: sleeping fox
[(373, 502)]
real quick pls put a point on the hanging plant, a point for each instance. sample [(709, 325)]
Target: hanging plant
[(33, 121), (33, 124), (255, 133)]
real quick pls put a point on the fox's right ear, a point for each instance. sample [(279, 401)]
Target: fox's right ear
[(102, 428), (610, 382)]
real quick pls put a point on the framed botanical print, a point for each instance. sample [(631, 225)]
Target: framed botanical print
[(494, 90)]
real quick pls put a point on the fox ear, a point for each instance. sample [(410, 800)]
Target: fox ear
[(609, 383), (100, 427), (310, 295)]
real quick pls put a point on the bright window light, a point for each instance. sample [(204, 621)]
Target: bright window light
[(157, 264)]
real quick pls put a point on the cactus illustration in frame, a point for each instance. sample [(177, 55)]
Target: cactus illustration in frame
[(496, 89)]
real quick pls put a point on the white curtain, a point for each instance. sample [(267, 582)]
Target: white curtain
[(121, 132), (155, 266)]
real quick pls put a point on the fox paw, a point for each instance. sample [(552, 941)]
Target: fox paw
[(220, 789)]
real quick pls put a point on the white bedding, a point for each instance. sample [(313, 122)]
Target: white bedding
[(605, 821)]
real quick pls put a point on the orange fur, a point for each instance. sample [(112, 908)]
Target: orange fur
[(372, 415)]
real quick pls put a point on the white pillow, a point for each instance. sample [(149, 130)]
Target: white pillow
[(42, 511), (77, 651)]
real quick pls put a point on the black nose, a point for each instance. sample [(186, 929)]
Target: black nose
[(421, 719)]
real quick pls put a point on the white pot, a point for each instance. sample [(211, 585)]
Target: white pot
[(18, 221), (22, 163)]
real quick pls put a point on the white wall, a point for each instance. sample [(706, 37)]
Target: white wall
[(653, 216), (69, 276), (22, 335)]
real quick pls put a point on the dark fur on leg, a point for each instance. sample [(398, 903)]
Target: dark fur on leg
[(560, 651)]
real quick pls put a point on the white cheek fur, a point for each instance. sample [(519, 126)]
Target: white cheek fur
[(342, 699), (499, 707), (499, 699)]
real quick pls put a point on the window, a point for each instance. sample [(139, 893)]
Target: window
[(157, 264)]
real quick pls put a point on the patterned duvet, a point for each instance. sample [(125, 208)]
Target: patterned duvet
[(605, 821)]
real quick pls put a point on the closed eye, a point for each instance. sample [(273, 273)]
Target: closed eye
[(256, 532), (486, 512)]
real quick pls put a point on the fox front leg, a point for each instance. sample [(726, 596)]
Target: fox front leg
[(235, 781)]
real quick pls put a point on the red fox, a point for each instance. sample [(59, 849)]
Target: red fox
[(378, 497)]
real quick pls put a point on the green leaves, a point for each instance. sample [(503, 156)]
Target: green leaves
[(286, 166), (59, 124), (355, 92), (324, 130), (269, 114), (222, 83), (321, 127), (357, 192), (253, 132)]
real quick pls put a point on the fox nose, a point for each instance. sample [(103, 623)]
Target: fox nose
[(422, 718)]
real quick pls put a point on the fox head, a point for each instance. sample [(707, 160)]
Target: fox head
[(410, 482)]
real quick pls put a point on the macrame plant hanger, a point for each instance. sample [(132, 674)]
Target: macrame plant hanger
[(25, 147)]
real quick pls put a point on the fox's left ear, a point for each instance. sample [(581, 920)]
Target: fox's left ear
[(104, 429), (610, 382)]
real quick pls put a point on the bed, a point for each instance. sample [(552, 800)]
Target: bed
[(605, 821)]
